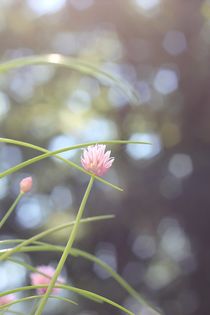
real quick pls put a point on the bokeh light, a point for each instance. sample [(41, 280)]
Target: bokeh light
[(147, 4), (62, 141), (175, 42), (46, 6), (32, 212), (166, 81), (145, 151), (180, 165)]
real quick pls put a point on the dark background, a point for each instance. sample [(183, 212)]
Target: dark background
[(159, 240)]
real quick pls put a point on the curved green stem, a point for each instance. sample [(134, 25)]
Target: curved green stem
[(73, 64), (36, 237), (33, 297), (67, 249), (80, 253), (85, 293), (7, 214), (42, 246)]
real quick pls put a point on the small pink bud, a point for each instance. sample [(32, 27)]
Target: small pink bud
[(26, 184), (96, 160), (39, 279)]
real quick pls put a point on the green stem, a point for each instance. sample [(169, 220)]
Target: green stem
[(33, 297), (87, 294), (45, 233), (73, 64), (7, 214), (66, 250)]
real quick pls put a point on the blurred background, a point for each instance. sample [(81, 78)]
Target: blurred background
[(159, 240)]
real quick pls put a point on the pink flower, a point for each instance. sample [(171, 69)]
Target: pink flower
[(96, 160), (26, 184), (6, 299), (39, 279)]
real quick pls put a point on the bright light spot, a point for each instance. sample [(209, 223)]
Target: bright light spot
[(174, 42), (3, 187), (4, 105), (81, 4), (62, 193), (144, 91), (180, 165), (144, 246), (144, 151), (12, 275), (166, 81), (106, 252), (98, 129), (175, 243), (17, 82), (147, 4), (32, 212), (160, 274), (55, 58), (62, 141), (46, 6), (4, 278), (10, 156), (79, 102)]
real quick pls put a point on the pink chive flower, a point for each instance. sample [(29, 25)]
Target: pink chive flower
[(39, 279), (26, 184), (96, 160), (7, 299)]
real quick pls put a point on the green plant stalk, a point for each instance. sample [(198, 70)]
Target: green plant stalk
[(8, 213), (87, 294), (33, 297), (38, 236), (73, 64), (66, 250)]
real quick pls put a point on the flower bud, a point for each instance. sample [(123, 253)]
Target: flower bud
[(26, 184)]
